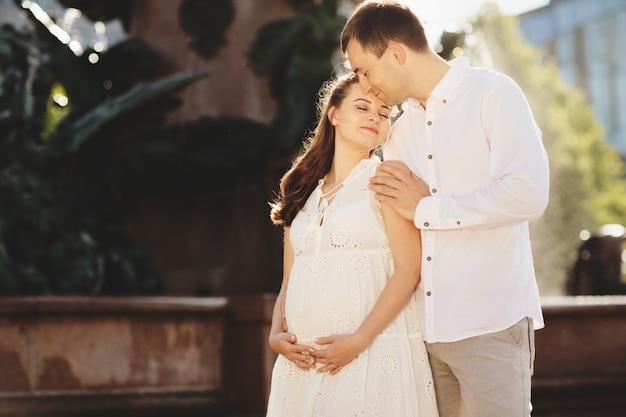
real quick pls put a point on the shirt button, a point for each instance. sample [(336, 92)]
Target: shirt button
[(426, 224), (458, 222), (430, 157), (445, 101), (429, 123), (434, 190), (428, 258), (428, 293)]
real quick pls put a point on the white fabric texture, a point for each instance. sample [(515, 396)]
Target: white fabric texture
[(479, 149), (342, 262)]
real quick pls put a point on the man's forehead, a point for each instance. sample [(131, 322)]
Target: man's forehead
[(356, 52), (355, 55)]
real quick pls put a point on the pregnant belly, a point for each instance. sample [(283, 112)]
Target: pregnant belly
[(324, 308)]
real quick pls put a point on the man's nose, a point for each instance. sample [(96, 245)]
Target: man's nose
[(365, 86)]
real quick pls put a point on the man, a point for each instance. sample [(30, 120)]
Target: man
[(466, 163)]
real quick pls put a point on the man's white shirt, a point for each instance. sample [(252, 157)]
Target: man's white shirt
[(479, 149)]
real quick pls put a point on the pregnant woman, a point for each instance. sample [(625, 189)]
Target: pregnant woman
[(345, 325)]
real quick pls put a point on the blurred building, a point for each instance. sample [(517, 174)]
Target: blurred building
[(83, 33), (10, 14), (587, 37)]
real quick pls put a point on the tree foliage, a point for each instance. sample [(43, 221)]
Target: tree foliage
[(588, 187), (295, 54), (66, 171), (61, 224)]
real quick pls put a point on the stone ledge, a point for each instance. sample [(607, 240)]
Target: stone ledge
[(179, 404), (82, 355), (33, 306), (580, 364)]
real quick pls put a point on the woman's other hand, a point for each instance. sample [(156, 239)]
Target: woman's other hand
[(286, 344)]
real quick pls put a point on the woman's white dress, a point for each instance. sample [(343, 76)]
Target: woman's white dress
[(342, 263)]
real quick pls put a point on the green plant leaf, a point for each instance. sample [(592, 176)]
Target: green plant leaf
[(70, 137)]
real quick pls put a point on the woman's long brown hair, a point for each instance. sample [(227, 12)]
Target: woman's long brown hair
[(316, 157)]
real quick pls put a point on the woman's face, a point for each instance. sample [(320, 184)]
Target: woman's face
[(362, 121)]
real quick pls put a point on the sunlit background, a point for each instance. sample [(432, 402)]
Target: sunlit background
[(452, 15)]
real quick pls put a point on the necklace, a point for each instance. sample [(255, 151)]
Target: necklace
[(332, 191)]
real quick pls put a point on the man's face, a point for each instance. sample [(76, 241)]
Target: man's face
[(376, 75)]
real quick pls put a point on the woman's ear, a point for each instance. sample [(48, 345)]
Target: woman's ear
[(332, 116)]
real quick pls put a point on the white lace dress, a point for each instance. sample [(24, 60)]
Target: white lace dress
[(342, 262)]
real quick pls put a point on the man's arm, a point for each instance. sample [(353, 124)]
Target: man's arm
[(518, 166)]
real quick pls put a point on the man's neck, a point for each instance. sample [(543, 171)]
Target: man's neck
[(432, 70)]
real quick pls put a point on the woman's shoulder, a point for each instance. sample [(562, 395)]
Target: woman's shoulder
[(368, 166), (374, 161)]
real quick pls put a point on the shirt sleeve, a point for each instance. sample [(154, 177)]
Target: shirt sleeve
[(518, 165)]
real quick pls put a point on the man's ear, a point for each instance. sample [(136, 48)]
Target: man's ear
[(397, 51)]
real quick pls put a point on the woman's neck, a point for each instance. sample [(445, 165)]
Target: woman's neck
[(342, 165)]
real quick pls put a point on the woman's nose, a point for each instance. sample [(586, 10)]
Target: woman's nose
[(375, 117)]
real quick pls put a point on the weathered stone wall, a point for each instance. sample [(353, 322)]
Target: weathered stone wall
[(85, 356), (220, 242), (173, 356), (580, 366)]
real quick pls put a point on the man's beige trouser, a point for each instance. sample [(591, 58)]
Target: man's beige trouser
[(487, 375)]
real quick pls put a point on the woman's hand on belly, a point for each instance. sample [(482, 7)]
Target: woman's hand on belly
[(286, 344), (341, 350)]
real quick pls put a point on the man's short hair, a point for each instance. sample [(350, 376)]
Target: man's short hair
[(375, 23)]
